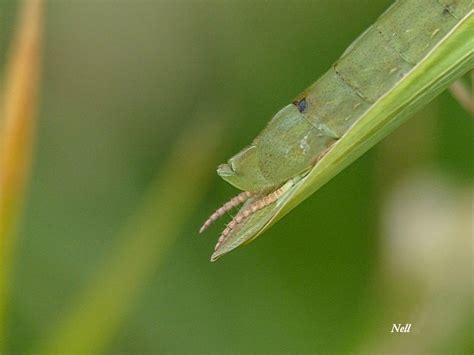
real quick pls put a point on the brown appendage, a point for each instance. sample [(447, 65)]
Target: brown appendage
[(248, 211), (234, 202)]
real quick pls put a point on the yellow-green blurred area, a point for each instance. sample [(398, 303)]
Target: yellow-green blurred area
[(132, 95)]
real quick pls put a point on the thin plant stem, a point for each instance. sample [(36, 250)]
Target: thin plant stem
[(463, 94), (18, 108), (143, 244)]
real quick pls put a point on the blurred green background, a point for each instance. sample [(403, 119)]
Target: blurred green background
[(389, 240)]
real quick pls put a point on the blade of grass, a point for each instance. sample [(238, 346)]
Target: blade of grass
[(144, 243), (17, 115), (448, 61)]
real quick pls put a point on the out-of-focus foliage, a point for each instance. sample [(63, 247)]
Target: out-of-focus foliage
[(122, 81), (18, 106)]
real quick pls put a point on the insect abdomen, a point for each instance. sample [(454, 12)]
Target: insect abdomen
[(375, 63), (378, 60), (391, 47)]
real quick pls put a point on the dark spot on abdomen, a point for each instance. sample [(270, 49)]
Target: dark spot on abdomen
[(301, 105)]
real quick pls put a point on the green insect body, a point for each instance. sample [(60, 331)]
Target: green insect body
[(303, 131)]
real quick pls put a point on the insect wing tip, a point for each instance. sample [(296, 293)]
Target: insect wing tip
[(214, 257)]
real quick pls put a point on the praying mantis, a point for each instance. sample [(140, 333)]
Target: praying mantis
[(414, 50)]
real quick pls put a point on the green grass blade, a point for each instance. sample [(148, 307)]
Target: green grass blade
[(144, 243), (17, 122), (444, 64)]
